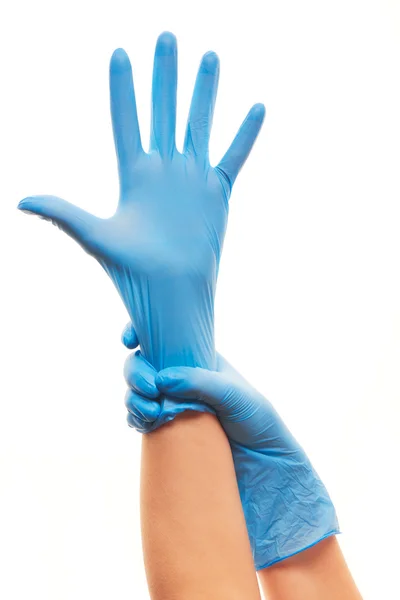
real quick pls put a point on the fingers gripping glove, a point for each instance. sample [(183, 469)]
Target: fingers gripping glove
[(287, 507), (163, 245)]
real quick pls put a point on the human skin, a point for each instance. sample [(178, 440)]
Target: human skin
[(318, 573), (195, 540)]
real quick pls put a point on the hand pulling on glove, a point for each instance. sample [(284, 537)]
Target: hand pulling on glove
[(287, 507)]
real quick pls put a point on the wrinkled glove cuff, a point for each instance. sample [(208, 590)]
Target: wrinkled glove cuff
[(286, 505)]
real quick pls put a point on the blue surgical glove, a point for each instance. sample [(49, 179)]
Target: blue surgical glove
[(163, 245), (286, 506)]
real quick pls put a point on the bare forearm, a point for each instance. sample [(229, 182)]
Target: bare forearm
[(319, 572), (195, 540)]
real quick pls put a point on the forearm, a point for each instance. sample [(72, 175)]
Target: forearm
[(195, 540), (319, 572)]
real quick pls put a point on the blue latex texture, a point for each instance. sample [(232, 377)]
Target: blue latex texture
[(162, 247), (286, 506)]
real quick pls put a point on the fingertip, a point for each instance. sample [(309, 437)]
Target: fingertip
[(119, 61), (163, 384), (140, 376), (166, 44), (153, 410), (36, 205), (136, 423), (210, 63), (160, 382), (129, 337), (142, 409), (31, 204), (148, 386), (130, 420), (41, 203), (24, 203), (257, 112), (168, 379)]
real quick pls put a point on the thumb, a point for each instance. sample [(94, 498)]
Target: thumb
[(190, 383), (77, 223)]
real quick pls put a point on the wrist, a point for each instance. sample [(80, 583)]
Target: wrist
[(175, 325)]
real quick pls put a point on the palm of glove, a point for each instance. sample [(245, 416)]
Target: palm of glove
[(173, 219)]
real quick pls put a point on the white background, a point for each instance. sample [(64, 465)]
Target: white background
[(308, 303)]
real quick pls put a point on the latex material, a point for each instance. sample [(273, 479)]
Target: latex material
[(286, 506), (163, 245)]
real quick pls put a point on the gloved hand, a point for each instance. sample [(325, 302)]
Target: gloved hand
[(286, 506), (162, 247)]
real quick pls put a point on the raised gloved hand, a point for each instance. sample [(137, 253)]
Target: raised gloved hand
[(163, 245), (286, 506)]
